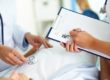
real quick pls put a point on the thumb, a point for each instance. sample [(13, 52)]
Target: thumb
[(73, 34)]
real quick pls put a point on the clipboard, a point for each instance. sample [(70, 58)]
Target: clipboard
[(68, 20)]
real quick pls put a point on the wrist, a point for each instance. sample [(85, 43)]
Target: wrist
[(27, 35), (1, 47), (94, 43)]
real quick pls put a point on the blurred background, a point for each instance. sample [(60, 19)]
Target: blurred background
[(37, 15)]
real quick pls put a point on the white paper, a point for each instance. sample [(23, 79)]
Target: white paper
[(68, 20)]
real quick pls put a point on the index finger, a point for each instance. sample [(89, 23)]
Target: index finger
[(45, 43), (19, 56)]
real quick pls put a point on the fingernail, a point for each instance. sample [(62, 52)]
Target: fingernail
[(25, 58)]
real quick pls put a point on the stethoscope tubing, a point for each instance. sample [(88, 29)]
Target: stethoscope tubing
[(2, 29)]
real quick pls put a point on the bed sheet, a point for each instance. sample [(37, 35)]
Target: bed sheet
[(47, 63)]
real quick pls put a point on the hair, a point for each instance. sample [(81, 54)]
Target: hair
[(83, 4)]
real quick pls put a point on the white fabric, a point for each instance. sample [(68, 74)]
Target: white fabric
[(49, 62), (76, 72), (11, 29), (13, 35), (108, 9)]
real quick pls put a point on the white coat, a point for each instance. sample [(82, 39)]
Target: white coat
[(13, 35), (108, 9)]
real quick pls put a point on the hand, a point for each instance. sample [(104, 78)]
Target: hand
[(18, 76), (36, 41), (70, 46), (5, 79), (11, 56), (82, 38)]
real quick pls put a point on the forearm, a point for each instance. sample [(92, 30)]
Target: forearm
[(101, 46), (5, 79), (1, 48)]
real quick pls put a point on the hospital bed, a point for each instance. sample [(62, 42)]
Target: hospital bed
[(57, 64)]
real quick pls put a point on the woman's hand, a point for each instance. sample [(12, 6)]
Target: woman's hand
[(70, 46), (11, 56), (79, 38), (82, 38), (19, 76), (16, 76), (36, 41), (5, 79)]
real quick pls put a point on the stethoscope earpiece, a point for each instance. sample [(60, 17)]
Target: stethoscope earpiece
[(103, 9)]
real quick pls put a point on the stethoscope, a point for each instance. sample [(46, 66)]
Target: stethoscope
[(2, 29), (31, 60), (103, 9)]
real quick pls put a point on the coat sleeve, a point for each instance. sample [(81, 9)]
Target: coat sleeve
[(19, 38)]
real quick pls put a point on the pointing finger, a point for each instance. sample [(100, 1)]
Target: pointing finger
[(45, 43), (19, 56)]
